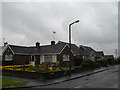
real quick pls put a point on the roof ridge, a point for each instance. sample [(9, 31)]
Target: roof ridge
[(17, 45)]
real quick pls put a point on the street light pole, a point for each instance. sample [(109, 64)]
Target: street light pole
[(70, 63)]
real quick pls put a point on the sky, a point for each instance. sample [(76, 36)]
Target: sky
[(25, 23)]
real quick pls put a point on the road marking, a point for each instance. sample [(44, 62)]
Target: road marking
[(78, 87)]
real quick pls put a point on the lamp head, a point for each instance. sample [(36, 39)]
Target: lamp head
[(77, 21)]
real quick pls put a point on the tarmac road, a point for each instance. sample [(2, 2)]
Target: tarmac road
[(105, 79)]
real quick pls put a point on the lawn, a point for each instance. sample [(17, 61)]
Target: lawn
[(9, 82)]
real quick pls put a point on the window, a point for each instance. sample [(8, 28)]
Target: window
[(65, 57), (48, 58), (8, 57), (32, 58)]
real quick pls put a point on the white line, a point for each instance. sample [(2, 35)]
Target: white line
[(78, 87)]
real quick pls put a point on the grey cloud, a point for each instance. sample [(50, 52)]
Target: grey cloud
[(26, 23)]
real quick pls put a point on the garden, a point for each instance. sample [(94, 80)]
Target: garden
[(45, 67), (52, 70)]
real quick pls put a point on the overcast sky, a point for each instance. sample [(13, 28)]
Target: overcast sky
[(25, 23)]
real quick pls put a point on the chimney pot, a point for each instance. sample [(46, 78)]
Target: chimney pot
[(52, 42), (37, 45), (5, 44)]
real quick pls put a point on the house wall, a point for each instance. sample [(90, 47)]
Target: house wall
[(41, 59), (54, 58), (91, 56), (7, 52), (99, 58), (65, 51), (37, 59), (21, 59)]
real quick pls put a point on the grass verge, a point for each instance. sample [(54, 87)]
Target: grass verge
[(9, 82)]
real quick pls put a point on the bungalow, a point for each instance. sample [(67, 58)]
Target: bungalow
[(74, 49), (108, 57), (13, 54), (99, 55), (87, 52)]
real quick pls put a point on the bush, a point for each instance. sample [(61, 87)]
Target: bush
[(88, 64), (110, 61), (46, 63), (64, 64), (77, 61), (97, 63), (118, 59), (103, 63)]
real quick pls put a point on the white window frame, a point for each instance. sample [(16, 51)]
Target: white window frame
[(66, 57), (8, 57)]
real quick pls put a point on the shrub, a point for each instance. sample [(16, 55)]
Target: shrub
[(118, 59), (57, 63), (103, 63), (110, 61), (77, 61), (63, 63), (87, 64)]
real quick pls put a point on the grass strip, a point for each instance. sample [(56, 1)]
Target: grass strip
[(9, 82)]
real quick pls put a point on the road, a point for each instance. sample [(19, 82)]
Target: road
[(105, 79)]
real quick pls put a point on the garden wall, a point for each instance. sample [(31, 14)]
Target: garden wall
[(34, 75)]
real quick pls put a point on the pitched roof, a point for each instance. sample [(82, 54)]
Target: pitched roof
[(74, 48), (99, 53), (47, 49), (51, 48), (22, 49), (86, 50), (109, 56)]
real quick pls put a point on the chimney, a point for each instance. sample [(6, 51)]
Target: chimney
[(5, 44), (80, 46), (37, 45), (52, 42)]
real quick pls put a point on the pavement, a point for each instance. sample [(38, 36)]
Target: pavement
[(36, 83)]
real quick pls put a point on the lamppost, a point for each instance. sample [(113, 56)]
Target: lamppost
[(70, 63)]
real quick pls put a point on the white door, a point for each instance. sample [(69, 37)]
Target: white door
[(32, 60)]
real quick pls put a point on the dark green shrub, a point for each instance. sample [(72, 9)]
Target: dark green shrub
[(110, 61), (77, 61), (97, 63), (88, 64), (63, 63), (118, 60), (103, 63)]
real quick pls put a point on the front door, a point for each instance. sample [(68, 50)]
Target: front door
[(32, 60)]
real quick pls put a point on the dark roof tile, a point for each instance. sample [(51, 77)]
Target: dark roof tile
[(33, 50), (75, 49), (99, 53), (86, 50)]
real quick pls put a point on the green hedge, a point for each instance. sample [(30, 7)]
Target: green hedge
[(77, 61), (88, 64), (102, 63)]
